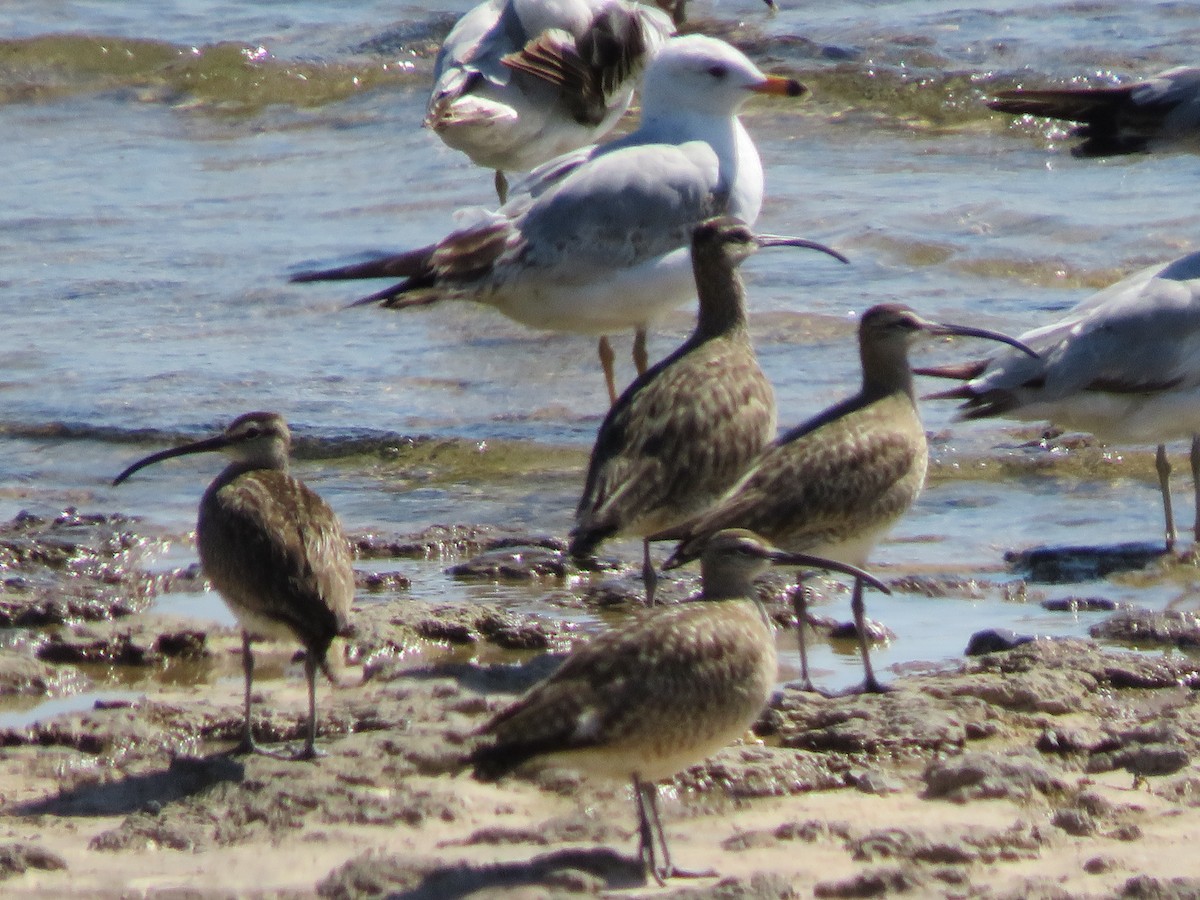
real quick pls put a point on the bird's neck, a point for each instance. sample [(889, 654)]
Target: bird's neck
[(886, 371), (722, 309), (721, 584), (240, 467)]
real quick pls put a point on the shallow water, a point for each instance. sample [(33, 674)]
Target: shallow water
[(173, 163)]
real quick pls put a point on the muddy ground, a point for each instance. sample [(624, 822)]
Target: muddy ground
[(1050, 769)]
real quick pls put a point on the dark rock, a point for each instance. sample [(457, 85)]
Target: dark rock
[(877, 883), (1147, 887), (1150, 628), (989, 776), (994, 640), (512, 564), (1141, 760), (381, 581), (1082, 604), (876, 632), (1075, 822), (1062, 565), (16, 859)]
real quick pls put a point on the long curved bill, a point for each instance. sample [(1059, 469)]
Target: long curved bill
[(783, 557), (987, 334), (214, 443), (782, 240)]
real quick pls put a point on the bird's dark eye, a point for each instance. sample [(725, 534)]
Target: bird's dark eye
[(717, 71)]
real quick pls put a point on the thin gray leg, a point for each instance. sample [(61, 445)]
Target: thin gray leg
[(1163, 465), (641, 359), (605, 350), (649, 576), (870, 684), (800, 605), (1196, 482)]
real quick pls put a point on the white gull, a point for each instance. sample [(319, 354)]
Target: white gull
[(1124, 365), (597, 241), (519, 82)]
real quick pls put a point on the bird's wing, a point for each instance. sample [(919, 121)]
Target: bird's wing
[(1140, 334), (602, 690), (593, 67), (805, 486), (267, 537), (474, 49), (661, 436), (622, 208), (1168, 90)]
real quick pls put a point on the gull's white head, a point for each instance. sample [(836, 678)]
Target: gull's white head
[(706, 75)]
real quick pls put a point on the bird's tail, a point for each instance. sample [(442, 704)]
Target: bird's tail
[(414, 266), (1067, 104), (410, 264)]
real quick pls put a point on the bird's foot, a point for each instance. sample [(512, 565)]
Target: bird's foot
[(871, 685), (662, 874), (307, 753)]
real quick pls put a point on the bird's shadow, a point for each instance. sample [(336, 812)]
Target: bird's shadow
[(1069, 565), (560, 867), (184, 777)]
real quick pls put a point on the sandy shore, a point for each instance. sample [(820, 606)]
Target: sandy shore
[(1055, 769)]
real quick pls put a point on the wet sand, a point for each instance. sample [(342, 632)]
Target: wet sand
[(1055, 769)]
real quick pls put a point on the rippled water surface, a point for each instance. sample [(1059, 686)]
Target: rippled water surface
[(168, 165)]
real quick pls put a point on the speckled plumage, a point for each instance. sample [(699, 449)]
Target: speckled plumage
[(272, 548), (650, 699), (834, 485), (684, 431), (276, 553), (662, 693), (825, 485)]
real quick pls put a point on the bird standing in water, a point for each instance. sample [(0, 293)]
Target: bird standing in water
[(1120, 365), (599, 240), (684, 431), (273, 549), (645, 701), (836, 484)]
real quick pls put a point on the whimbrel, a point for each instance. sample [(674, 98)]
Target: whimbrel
[(837, 483), (519, 82), (1127, 118), (645, 701), (1120, 365), (598, 240), (273, 549), (684, 431)]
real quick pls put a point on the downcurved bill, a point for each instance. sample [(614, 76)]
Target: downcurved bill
[(783, 557), (780, 240), (779, 86), (969, 331), (214, 443)]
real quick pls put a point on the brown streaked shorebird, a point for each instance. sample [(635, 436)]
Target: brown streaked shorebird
[(273, 549), (646, 701), (684, 430), (1117, 119), (836, 484)]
